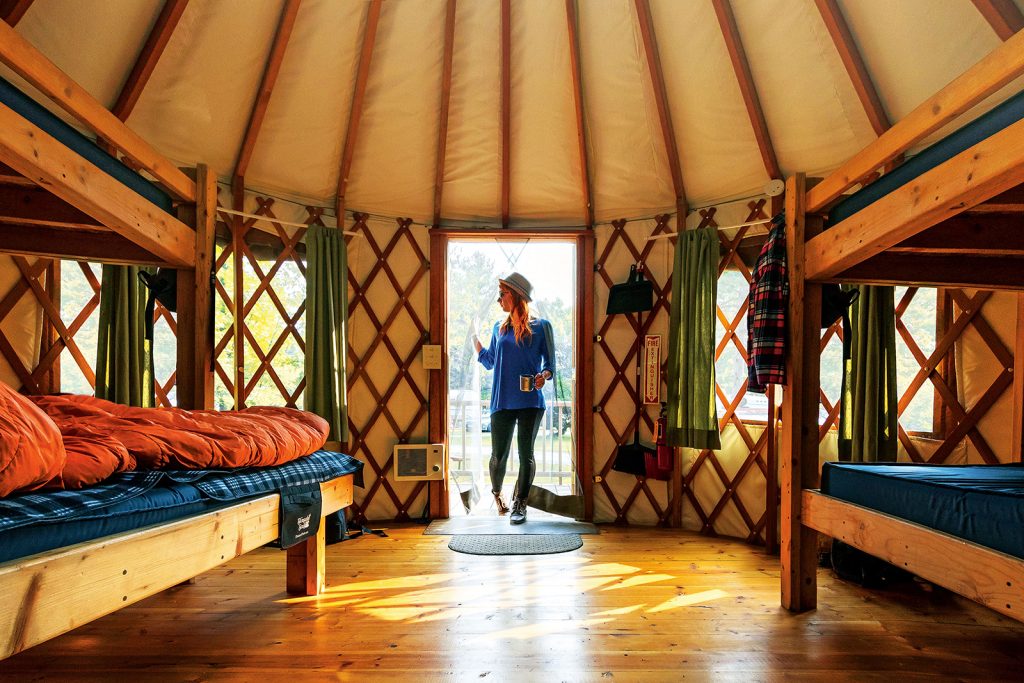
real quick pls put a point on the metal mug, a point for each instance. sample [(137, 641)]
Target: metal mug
[(526, 382)]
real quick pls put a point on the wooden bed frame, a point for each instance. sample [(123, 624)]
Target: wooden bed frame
[(58, 205), (949, 228)]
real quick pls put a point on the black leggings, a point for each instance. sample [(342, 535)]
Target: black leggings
[(502, 424)]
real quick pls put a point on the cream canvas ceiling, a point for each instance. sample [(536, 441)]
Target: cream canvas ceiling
[(196, 106)]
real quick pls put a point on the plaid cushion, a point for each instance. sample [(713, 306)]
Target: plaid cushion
[(57, 506)]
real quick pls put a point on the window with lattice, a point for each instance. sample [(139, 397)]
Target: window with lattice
[(79, 311)]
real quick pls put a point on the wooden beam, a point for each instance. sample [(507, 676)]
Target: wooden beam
[(996, 234), (799, 448), (34, 205), (584, 350), (981, 574), (437, 414), (938, 270), (1017, 428), (148, 57), (842, 38), (34, 67), (994, 165), (650, 41), (356, 112), (1011, 201), (1002, 15), (506, 108), (1001, 66), (270, 72), (195, 325), (727, 21), (572, 20), (12, 11), (67, 243), (446, 96), (44, 160)]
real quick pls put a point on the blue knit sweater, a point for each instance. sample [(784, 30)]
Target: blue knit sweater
[(510, 360)]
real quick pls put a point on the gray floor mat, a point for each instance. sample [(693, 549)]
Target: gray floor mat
[(505, 544), (499, 526)]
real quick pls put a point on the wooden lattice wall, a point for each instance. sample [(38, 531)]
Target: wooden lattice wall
[(723, 492), (388, 318), (39, 282), (717, 486)]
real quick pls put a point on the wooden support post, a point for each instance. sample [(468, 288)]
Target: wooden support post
[(799, 452), (584, 423), (194, 319), (438, 413), (1017, 437), (238, 300), (51, 336)]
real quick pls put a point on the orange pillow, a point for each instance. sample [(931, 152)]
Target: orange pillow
[(31, 450)]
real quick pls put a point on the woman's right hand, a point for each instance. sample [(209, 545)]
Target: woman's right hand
[(477, 345)]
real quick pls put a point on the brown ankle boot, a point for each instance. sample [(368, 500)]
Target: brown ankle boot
[(500, 503)]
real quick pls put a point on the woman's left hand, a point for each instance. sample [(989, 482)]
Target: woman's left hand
[(538, 380)]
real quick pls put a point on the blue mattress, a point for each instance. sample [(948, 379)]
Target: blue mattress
[(81, 145), (36, 522), (986, 125), (979, 503)]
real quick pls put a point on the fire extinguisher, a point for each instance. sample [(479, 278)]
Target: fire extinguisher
[(661, 467)]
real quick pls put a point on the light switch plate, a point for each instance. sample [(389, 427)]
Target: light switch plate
[(432, 356)]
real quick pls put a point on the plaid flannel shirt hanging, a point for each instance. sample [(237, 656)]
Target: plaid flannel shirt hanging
[(766, 315)]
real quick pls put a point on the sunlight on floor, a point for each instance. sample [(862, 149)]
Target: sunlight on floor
[(500, 585)]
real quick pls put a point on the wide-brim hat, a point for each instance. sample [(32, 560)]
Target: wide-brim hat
[(518, 284)]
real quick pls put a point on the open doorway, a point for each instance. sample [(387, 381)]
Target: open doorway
[(473, 268)]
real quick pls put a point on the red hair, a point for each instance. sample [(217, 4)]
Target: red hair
[(518, 318)]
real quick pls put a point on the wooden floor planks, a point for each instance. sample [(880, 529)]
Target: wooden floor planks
[(633, 604)]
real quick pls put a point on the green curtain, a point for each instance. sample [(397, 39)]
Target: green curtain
[(692, 411), (867, 417), (327, 328), (124, 358)]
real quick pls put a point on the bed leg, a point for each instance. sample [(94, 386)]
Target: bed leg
[(306, 565)]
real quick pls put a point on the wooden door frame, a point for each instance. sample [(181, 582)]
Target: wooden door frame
[(583, 349)]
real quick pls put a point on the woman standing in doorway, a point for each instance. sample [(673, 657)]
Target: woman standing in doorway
[(522, 354)]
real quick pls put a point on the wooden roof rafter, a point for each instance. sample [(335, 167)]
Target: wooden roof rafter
[(11, 11), (506, 108), (1002, 15), (446, 96), (650, 42), (572, 21), (738, 56), (25, 60), (842, 38), (270, 73), (356, 112), (145, 63)]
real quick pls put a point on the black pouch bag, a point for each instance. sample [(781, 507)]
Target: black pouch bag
[(857, 566), (631, 458), (300, 513), (634, 295), (834, 303), (163, 287)]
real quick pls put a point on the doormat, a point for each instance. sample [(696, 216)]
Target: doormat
[(499, 526), (505, 544)]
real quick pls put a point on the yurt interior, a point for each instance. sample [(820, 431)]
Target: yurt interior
[(287, 286)]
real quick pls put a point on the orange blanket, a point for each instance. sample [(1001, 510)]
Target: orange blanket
[(171, 438)]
